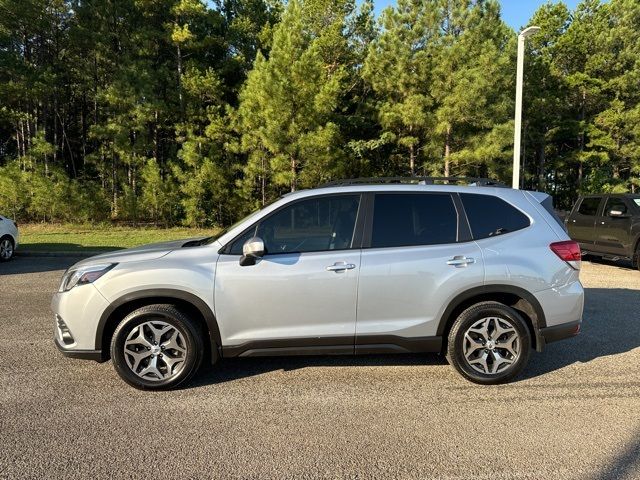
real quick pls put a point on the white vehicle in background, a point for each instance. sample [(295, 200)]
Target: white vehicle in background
[(8, 238)]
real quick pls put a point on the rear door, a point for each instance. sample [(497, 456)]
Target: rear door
[(417, 253), (582, 222)]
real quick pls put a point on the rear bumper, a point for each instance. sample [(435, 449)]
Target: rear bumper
[(560, 332), (563, 308)]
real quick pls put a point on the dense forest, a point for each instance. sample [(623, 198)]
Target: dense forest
[(194, 112)]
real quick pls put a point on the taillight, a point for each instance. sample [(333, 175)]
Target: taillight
[(569, 251)]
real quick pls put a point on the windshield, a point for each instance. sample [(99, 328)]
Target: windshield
[(637, 200), (213, 238)]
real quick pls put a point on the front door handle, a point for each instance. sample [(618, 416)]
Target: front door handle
[(340, 266), (460, 261)]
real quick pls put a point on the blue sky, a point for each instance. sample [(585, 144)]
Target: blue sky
[(515, 13)]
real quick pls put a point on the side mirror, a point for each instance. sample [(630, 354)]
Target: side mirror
[(617, 213), (251, 251)]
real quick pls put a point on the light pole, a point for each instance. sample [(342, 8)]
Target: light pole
[(527, 32)]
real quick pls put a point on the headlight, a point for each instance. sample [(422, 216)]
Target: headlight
[(83, 275)]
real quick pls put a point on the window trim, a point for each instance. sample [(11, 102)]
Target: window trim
[(356, 240), (462, 235)]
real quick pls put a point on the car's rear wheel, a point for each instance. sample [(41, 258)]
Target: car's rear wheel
[(156, 347), (489, 343), (6, 248)]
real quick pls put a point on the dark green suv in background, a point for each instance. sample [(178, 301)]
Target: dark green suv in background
[(607, 225)]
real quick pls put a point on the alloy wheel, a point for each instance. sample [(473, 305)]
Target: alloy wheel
[(155, 350), (6, 249), (491, 345)]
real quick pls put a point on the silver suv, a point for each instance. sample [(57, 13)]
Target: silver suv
[(480, 273)]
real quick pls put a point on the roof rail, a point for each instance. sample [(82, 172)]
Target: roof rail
[(471, 181)]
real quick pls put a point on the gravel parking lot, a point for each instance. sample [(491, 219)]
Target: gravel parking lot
[(574, 414)]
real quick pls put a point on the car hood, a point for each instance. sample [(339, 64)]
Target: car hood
[(144, 252)]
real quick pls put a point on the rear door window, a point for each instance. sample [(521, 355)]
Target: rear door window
[(403, 220), (589, 206), (490, 216)]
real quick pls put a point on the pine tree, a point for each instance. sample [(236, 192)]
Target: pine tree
[(289, 99), (398, 68)]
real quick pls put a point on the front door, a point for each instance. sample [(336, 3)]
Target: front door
[(302, 293)]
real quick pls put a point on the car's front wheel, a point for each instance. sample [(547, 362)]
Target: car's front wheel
[(156, 347), (6, 249), (489, 343)]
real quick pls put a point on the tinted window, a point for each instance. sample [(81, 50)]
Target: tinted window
[(317, 224), (401, 220), (489, 216), (589, 206), (615, 204)]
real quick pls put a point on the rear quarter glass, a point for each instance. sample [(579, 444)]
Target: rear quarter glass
[(490, 216)]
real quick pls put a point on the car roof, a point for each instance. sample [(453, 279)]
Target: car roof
[(618, 195), (397, 187)]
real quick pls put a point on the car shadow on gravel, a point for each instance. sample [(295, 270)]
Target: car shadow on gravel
[(231, 369), (626, 464), (621, 264), (610, 326)]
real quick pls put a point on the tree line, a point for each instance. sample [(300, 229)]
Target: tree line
[(193, 112)]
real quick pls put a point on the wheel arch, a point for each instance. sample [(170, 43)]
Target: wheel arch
[(524, 302), (635, 254), (188, 302)]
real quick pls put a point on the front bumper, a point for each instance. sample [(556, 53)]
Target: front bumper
[(81, 354), (77, 314)]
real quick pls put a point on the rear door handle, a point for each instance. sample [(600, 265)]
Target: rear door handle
[(460, 261), (340, 266)]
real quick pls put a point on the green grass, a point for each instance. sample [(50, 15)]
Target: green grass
[(79, 238)]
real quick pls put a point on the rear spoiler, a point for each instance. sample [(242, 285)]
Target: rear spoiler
[(547, 203)]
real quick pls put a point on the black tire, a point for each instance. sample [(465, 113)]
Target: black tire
[(636, 257), (11, 245), (190, 338), (475, 314)]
